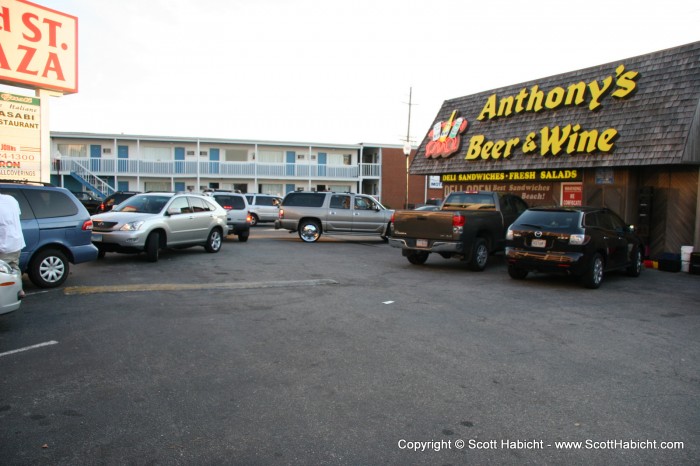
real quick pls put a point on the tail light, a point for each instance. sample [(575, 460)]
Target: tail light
[(249, 218), (393, 214), (87, 225), (101, 208), (281, 214), (458, 221), (579, 240)]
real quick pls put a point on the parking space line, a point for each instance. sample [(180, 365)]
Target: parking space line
[(27, 348), (81, 290)]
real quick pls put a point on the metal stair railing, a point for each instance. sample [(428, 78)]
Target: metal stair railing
[(91, 179)]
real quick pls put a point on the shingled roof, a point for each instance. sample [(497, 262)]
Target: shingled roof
[(658, 124)]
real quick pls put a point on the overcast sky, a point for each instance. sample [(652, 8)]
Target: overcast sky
[(332, 71)]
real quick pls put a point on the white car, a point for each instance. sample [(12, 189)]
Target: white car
[(150, 222), (10, 288)]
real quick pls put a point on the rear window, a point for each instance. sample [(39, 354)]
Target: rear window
[(469, 201), (49, 204), (230, 202), (304, 199), (550, 219)]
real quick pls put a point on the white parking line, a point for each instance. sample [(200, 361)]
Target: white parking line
[(39, 345)]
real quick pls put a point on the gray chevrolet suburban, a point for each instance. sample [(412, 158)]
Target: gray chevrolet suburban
[(312, 214)]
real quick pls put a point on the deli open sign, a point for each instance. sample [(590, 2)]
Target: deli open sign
[(38, 47)]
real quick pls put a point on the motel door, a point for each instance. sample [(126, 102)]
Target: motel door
[(322, 161), (179, 160), (122, 156), (213, 161), (95, 155), (291, 160)]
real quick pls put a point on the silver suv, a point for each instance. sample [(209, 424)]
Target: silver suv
[(153, 221), (263, 207), (312, 214), (238, 217)]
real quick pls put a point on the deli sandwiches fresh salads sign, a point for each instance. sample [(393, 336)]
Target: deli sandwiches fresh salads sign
[(570, 138), (38, 47)]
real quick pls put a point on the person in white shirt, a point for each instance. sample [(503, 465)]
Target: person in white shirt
[(11, 237)]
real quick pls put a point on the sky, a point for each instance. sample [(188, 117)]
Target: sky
[(328, 71)]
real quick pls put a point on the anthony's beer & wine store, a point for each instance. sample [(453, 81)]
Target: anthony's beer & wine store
[(625, 135)]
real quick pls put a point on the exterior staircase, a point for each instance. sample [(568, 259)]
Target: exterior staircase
[(88, 179)]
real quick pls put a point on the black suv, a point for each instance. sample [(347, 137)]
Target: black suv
[(57, 230), (89, 200), (579, 241), (114, 200)]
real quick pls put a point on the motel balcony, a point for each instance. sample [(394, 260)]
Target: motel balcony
[(106, 167)]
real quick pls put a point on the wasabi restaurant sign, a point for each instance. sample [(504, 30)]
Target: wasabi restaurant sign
[(20, 138), (38, 47), (566, 138)]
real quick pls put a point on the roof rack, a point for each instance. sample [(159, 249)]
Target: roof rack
[(38, 183)]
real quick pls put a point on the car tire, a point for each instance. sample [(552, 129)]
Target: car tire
[(635, 268), (417, 257), (309, 231), (49, 268), (101, 253), (517, 273), (243, 236), (153, 247), (480, 255), (594, 275), (214, 241), (254, 220)]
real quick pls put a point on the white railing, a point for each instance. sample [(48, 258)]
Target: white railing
[(79, 168), (185, 168)]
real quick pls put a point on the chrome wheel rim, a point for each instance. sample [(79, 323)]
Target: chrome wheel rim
[(52, 269), (309, 232)]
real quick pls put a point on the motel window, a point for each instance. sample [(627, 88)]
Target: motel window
[(274, 189), (156, 153), (73, 150), (269, 156), (236, 155)]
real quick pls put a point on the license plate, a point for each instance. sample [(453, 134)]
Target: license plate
[(96, 237), (422, 243), (539, 243)]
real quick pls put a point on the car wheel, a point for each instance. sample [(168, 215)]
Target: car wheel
[(101, 253), (254, 220), (517, 273), (635, 268), (480, 255), (388, 232), (417, 257), (309, 231), (243, 236), (594, 275), (214, 240), (153, 247), (49, 268)]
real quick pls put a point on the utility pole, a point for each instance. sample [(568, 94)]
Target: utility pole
[(407, 142)]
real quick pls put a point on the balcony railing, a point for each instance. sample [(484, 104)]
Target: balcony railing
[(186, 168)]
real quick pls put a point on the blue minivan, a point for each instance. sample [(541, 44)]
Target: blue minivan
[(57, 231)]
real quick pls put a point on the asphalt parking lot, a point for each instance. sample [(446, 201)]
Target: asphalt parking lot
[(275, 351)]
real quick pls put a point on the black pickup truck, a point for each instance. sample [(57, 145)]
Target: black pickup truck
[(469, 226)]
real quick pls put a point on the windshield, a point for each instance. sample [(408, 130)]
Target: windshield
[(143, 204)]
